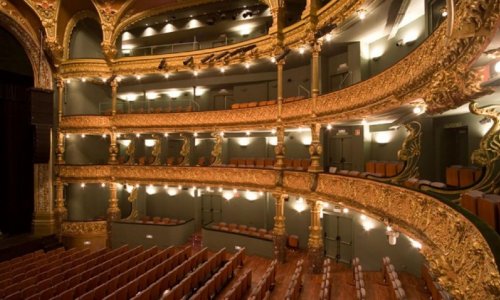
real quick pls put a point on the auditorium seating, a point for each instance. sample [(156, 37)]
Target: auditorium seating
[(359, 282), (396, 290), (264, 102), (242, 286), (437, 293), (326, 280), (460, 176), (384, 168), (243, 229), (295, 286), (266, 284), (268, 163), (158, 220), (485, 206)]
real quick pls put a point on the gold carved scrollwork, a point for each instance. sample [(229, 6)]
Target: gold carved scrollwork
[(132, 198), (186, 150), (409, 154), (130, 151), (279, 149), (82, 228), (156, 151), (315, 149), (450, 89), (488, 154), (217, 151)]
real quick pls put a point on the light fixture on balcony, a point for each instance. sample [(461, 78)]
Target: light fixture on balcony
[(444, 12), (392, 236)]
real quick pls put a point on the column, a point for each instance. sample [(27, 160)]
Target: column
[(279, 149), (279, 231), (280, 65), (315, 242), (113, 211), (60, 212), (114, 90), (316, 48), (113, 149), (60, 148), (315, 149), (60, 98)]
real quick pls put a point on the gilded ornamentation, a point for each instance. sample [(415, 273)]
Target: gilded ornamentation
[(279, 230), (279, 149), (14, 22), (43, 189), (130, 152), (217, 151), (315, 149), (156, 151), (409, 153), (488, 154), (132, 198), (450, 89), (466, 265), (315, 241), (113, 211), (84, 228), (60, 211), (60, 148), (186, 150), (113, 148)]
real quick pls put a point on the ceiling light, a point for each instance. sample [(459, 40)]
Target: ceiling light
[(83, 136), (497, 67), (247, 133), (150, 189), (165, 134), (67, 135), (222, 70), (345, 210), (195, 73), (82, 184), (329, 126), (138, 77), (418, 110), (364, 122), (362, 14), (166, 75), (273, 59), (84, 79), (195, 134), (103, 184), (328, 37), (273, 131), (104, 136), (444, 12), (138, 135), (302, 50), (247, 66)]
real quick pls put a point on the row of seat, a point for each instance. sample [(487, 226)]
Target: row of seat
[(159, 220), (460, 176), (266, 284), (106, 283), (295, 285), (396, 290), (52, 281), (359, 282), (20, 260), (243, 229), (384, 168), (326, 280), (194, 280), (24, 279), (242, 286), (155, 110), (217, 282), (415, 183), (288, 164), (485, 206)]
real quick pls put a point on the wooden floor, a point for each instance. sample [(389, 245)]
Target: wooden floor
[(342, 287)]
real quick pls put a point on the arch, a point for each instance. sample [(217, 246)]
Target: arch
[(68, 31), (42, 71), (85, 39)]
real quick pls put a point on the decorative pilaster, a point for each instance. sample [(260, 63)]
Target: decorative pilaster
[(217, 151), (60, 212), (114, 91), (315, 242), (60, 98), (279, 231), (316, 48), (279, 66), (113, 149), (315, 149), (60, 148), (310, 9), (186, 150), (279, 149), (43, 215), (113, 211)]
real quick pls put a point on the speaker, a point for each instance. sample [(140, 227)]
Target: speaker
[(42, 121)]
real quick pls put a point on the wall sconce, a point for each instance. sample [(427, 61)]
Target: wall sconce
[(273, 140), (392, 236), (383, 137), (149, 142), (244, 141), (171, 191), (444, 12), (150, 190), (251, 196), (129, 188), (300, 205)]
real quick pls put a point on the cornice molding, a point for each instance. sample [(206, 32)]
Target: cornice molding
[(455, 249)]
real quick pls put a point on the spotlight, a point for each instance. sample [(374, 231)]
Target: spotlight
[(163, 63), (362, 14), (221, 55), (283, 54), (207, 58), (188, 61), (444, 12)]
